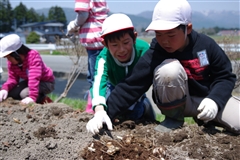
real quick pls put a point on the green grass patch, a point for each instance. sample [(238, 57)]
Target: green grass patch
[(188, 120), (72, 102), (81, 104), (55, 52), (147, 38), (44, 52), (51, 52), (225, 39)]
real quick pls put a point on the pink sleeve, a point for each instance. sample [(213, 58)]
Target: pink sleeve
[(35, 73), (12, 80)]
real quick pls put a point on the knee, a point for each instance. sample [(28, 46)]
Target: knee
[(170, 71), (24, 93)]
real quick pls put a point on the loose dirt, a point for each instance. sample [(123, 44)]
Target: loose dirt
[(57, 132)]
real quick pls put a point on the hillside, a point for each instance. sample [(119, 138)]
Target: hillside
[(208, 19), (205, 19)]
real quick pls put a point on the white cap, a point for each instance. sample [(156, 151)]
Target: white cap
[(9, 44), (116, 22), (169, 14)]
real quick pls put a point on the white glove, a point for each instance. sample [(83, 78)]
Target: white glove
[(3, 95), (27, 100), (208, 110), (72, 28), (97, 121)]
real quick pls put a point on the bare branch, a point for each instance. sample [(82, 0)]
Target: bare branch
[(77, 53)]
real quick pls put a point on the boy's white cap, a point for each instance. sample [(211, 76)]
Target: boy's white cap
[(9, 44), (116, 22), (169, 14)]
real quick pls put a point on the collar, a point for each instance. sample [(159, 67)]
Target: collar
[(128, 63)]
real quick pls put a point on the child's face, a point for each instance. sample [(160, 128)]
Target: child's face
[(121, 49), (172, 40), (11, 59)]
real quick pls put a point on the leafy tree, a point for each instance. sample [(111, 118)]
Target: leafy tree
[(32, 16), (33, 38), (42, 18), (6, 14), (57, 14), (20, 13), (217, 29)]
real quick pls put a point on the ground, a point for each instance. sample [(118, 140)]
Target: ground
[(55, 131)]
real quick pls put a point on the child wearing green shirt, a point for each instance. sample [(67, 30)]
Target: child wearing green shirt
[(122, 51)]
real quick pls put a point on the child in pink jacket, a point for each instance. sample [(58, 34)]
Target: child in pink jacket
[(29, 79)]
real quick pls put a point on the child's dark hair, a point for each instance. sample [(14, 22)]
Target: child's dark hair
[(182, 27), (22, 50), (117, 35)]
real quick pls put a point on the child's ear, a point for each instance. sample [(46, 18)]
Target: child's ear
[(103, 42), (189, 28), (135, 34)]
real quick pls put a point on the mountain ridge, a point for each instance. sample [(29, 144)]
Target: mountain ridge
[(203, 19)]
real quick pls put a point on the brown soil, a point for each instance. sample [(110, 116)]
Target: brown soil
[(56, 131)]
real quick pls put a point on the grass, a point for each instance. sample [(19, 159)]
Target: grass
[(147, 38), (51, 52), (188, 120), (72, 102), (222, 39), (80, 105)]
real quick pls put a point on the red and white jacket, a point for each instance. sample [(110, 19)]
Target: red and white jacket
[(89, 32)]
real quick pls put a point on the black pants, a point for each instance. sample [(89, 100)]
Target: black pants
[(15, 92)]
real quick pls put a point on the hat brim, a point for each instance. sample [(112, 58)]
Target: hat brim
[(5, 54), (162, 25), (109, 32)]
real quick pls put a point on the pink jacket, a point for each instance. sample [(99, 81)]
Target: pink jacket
[(33, 69)]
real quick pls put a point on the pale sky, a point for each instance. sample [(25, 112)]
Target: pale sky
[(134, 6)]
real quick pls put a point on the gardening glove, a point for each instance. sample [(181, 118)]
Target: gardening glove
[(3, 95), (27, 100), (208, 110), (72, 28), (97, 121)]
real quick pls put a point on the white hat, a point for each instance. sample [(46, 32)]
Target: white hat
[(169, 14), (116, 22), (9, 44)]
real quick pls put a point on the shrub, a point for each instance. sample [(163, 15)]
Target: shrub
[(33, 38)]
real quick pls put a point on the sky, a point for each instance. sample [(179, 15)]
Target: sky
[(134, 6)]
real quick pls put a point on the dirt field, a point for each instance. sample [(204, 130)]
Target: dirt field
[(57, 132)]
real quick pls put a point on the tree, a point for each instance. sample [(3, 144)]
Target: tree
[(77, 53), (57, 14), (217, 29), (20, 13), (6, 14), (32, 16), (33, 38), (42, 18)]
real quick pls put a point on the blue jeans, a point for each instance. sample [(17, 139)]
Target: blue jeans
[(135, 111), (92, 56)]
